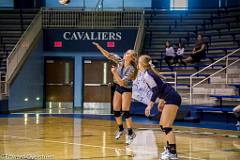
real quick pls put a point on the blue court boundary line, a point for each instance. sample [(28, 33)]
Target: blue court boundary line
[(136, 119)]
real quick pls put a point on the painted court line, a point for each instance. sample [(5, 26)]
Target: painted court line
[(191, 158), (33, 113), (87, 145), (70, 143)]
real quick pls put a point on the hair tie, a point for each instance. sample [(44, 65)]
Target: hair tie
[(150, 62)]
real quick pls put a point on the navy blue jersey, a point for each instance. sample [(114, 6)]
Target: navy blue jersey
[(159, 88)]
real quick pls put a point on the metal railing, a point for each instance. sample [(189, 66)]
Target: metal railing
[(3, 84), (99, 5), (227, 65), (119, 5), (22, 48), (140, 36), (3, 90), (75, 18), (174, 82)]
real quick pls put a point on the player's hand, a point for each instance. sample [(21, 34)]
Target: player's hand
[(114, 69), (95, 44), (236, 109), (161, 105), (148, 110)]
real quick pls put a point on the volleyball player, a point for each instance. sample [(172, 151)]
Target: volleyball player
[(124, 74), (170, 101)]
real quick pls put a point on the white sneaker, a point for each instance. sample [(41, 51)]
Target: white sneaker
[(168, 156), (165, 151), (238, 124), (130, 138), (118, 134)]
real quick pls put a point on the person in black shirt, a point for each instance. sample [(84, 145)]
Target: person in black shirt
[(198, 52)]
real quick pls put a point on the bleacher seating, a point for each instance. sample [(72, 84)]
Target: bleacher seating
[(221, 30), (237, 86), (13, 22), (221, 97)]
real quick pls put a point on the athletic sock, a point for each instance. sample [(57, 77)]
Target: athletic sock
[(172, 148), (130, 131), (120, 127), (167, 146)]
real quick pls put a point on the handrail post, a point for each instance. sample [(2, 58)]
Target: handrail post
[(21, 20), (190, 94), (226, 74), (140, 34), (175, 79), (102, 5), (84, 4)]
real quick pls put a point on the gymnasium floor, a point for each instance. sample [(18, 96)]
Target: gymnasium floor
[(77, 136)]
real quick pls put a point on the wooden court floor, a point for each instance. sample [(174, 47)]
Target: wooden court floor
[(48, 137)]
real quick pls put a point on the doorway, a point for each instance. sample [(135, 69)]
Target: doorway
[(97, 87), (59, 83)]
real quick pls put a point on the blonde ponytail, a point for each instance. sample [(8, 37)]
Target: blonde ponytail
[(133, 62), (155, 71), (147, 64)]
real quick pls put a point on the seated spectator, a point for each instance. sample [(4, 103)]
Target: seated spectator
[(170, 54), (236, 112), (198, 52), (179, 54)]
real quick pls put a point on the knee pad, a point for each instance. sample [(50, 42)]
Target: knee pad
[(237, 114), (166, 130), (117, 113), (126, 114)]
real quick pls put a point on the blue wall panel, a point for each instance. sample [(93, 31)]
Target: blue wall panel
[(78, 81), (206, 4), (29, 82), (80, 40), (91, 3), (161, 4), (106, 3), (6, 3), (232, 3), (127, 3)]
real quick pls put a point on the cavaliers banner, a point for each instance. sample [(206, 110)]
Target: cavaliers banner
[(80, 40)]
